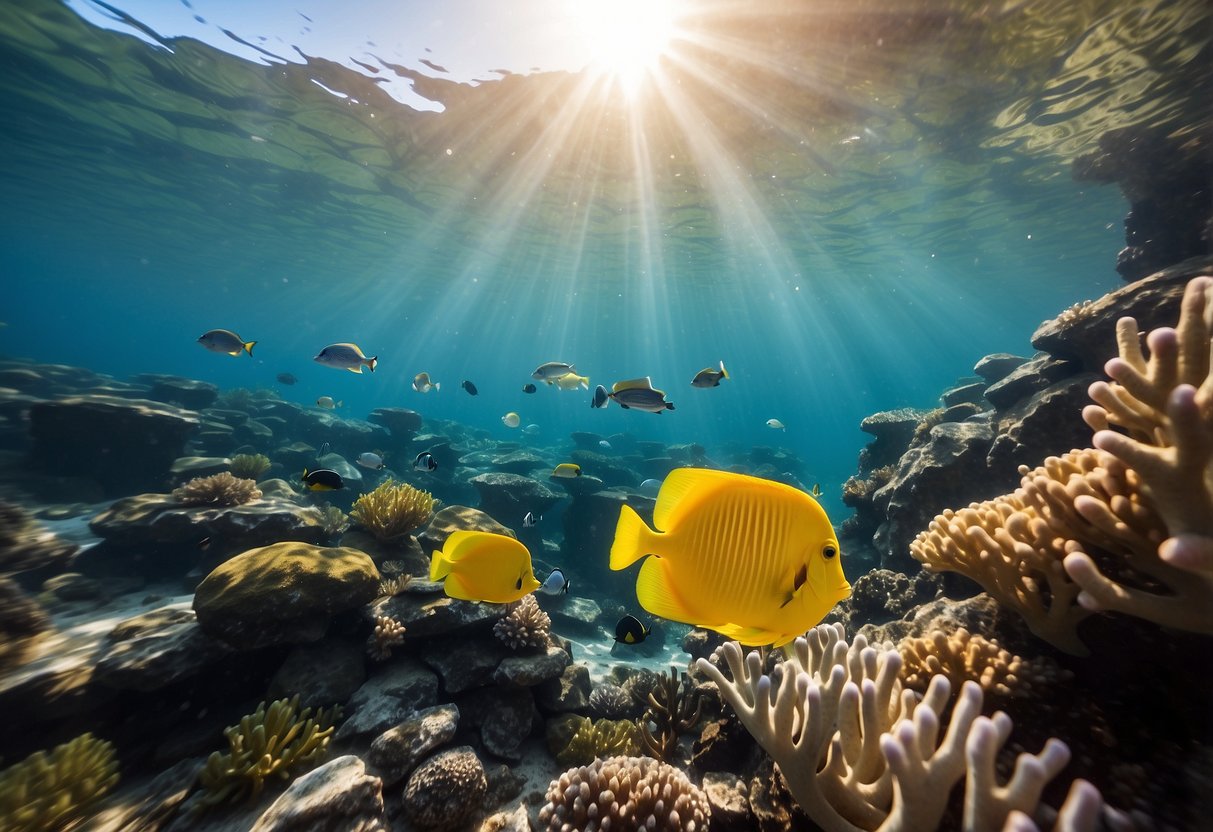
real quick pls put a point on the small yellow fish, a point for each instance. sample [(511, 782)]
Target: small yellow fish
[(750, 558), (567, 470), (483, 566), (511, 420), (571, 381)]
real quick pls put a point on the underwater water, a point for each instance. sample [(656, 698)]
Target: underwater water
[(847, 204)]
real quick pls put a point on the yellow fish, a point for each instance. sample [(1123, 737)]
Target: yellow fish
[(566, 470), (482, 566), (753, 559), (571, 381)]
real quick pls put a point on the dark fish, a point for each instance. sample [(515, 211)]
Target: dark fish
[(529, 388), (322, 479), (640, 394), (601, 397), (425, 461), (530, 520), (471, 388), (630, 630), (709, 377), (286, 378)]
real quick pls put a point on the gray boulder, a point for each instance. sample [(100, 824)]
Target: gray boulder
[(339, 796)]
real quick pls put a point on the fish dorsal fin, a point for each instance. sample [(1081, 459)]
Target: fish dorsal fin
[(464, 544), (645, 383), (682, 490)]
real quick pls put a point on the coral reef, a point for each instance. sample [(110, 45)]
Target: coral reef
[(963, 657), (388, 633), (525, 625), (446, 790), (611, 702), (1165, 405), (278, 741), (393, 585), (333, 520), (220, 489), (598, 738), (859, 752), (48, 792), (1014, 545), (393, 509), (625, 793), (1107, 528), (673, 709), (249, 466)]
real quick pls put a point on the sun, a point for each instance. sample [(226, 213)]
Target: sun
[(625, 38)]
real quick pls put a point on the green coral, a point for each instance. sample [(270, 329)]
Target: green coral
[(47, 792), (599, 738), (278, 741), (393, 509), (249, 466)]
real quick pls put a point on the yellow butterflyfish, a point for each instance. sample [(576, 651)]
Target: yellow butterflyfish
[(752, 559), (483, 566)]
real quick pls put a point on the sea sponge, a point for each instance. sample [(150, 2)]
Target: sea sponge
[(393, 509), (249, 466), (625, 793), (612, 702), (388, 633), (599, 738), (278, 741), (47, 792), (221, 489), (446, 790), (964, 657), (525, 625)]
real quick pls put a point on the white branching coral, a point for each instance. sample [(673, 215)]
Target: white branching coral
[(861, 753)]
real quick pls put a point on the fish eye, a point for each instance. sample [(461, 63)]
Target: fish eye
[(829, 551)]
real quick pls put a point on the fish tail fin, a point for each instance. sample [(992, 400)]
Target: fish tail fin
[(340, 404), (723, 371), (440, 566), (633, 539), (357, 369), (248, 347), (437, 386), (669, 406), (374, 359), (585, 382)]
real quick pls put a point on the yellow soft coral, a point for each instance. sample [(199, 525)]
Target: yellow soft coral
[(1165, 404), (963, 657), (393, 509), (277, 741), (47, 792)]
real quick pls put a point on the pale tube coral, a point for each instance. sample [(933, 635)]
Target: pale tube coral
[(1166, 406), (859, 753)]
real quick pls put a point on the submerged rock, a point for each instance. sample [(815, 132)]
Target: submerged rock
[(125, 445), (508, 497), (152, 651), (456, 518), (283, 593), (189, 393), (339, 796), (397, 752)]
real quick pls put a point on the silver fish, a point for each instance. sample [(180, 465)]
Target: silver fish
[(555, 584), (639, 394), (601, 397), (552, 370)]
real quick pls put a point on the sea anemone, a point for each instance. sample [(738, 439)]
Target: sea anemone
[(249, 466), (393, 509)]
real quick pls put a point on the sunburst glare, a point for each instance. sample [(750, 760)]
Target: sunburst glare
[(626, 38)]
